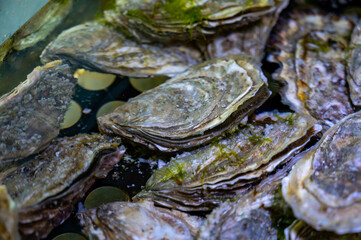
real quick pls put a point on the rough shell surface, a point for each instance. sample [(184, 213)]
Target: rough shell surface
[(323, 188), (191, 108), (30, 116), (128, 221), (8, 216), (311, 48), (46, 187), (97, 47)]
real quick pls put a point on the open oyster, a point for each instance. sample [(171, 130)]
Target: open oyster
[(30, 116), (311, 47), (98, 47), (323, 188), (8, 216), (46, 187), (192, 108), (250, 39), (126, 220), (354, 66), (181, 20), (202, 179)]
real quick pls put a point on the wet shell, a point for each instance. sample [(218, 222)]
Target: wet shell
[(323, 189), (126, 221), (30, 116), (191, 108), (46, 187), (97, 47), (202, 179), (311, 48), (153, 20)]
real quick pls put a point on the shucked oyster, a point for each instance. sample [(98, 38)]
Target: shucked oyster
[(323, 189), (354, 66), (191, 108), (250, 39), (181, 20), (125, 220), (202, 179), (97, 47), (30, 116), (311, 47), (46, 187)]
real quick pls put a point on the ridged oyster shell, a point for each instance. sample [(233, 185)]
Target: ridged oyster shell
[(8, 216), (181, 20), (311, 48), (192, 108), (202, 179), (97, 47), (30, 116), (323, 188), (46, 187), (126, 220)]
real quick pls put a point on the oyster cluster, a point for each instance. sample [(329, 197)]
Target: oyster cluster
[(228, 155)]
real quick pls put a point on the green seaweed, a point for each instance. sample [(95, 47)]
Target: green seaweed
[(287, 120)]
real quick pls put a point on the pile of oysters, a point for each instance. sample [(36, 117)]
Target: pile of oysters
[(240, 167)]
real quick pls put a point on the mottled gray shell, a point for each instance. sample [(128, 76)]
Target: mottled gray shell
[(311, 48), (97, 47), (323, 189), (191, 108), (30, 116), (46, 187), (132, 221), (202, 179)]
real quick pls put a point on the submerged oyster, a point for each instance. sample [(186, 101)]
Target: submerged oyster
[(182, 20), (191, 108), (125, 220), (8, 216), (202, 179), (311, 47), (250, 39), (354, 66), (46, 187), (323, 189), (30, 116), (97, 47)]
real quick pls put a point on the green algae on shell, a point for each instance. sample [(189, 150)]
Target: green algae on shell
[(191, 108), (98, 47), (202, 179), (31, 115), (46, 186)]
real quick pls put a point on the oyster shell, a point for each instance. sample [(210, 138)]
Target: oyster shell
[(8, 216), (310, 46), (46, 187), (126, 220), (202, 179), (157, 20), (30, 116), (250, 39), (98, 47), (323, 188), (354, 66), (192, 108)]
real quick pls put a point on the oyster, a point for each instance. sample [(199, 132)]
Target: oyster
[(157, 20), (354, 66), (46, 187), (311, 48), (202, 179), (30, 116), (323, 188), (125, 220), (250, 39), (8, 216), (192, 108), (98, 47), (299, 230)]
